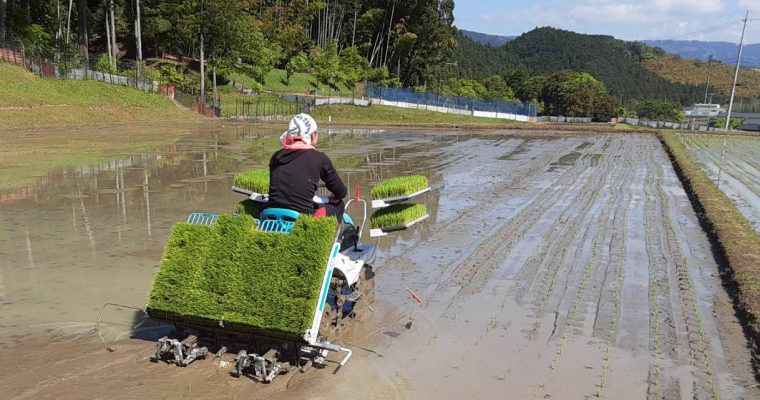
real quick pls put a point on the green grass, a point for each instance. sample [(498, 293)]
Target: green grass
[(256, 282), (399, 186), (257, 180), (300, 83), (28, 100), (386, 115), (735, 236), (397, 215)]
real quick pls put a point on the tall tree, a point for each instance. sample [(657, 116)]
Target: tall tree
[(84, 51)]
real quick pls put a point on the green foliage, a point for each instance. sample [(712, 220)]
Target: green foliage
[(36, 40), (397, 215), (326, 64), (297, 63), (352, 66), (659, 110), (103, 64), (256, 181), (463, 87), (720, 122), (253, 281), (497, 89), (399, 186)]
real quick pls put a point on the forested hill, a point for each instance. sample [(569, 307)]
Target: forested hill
[(618, 64)]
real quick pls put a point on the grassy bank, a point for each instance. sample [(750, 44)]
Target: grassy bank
[(385, 115), (734, 236), (276, 81), (27, 100)]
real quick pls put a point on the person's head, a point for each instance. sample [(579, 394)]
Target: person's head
[(303, 128)]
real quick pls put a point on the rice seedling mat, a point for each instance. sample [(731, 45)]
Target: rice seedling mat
[(231, 275)]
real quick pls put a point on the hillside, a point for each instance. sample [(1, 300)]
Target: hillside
[(484, 38), (722, 51), (691, 72), (28, 100), (617, 63)]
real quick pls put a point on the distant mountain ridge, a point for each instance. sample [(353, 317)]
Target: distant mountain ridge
[(724, 52), (484, 38)]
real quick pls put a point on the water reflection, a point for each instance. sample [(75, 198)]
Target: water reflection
[(80, 237)]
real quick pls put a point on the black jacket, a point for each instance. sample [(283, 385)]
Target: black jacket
[(294, 176)]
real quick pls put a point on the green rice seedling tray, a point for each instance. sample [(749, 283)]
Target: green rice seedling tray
[(255, 181), (396, 218), (398, 190), (230, 275)]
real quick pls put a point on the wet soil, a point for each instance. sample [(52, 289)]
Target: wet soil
[(733, 164), (553, 266)]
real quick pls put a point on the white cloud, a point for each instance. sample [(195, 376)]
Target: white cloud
[(752, 5)]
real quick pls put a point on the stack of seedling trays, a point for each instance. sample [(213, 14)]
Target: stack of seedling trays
[(231, 276), (395, 213)]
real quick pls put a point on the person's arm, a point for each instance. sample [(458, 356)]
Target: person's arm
[(332, 180)]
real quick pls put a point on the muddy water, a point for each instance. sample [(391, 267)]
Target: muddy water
[(553, 266)]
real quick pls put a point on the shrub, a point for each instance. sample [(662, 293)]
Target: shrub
[(397, 215), (254, 282), (399, 186), (257, 181)]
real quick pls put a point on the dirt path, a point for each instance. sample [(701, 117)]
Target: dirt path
[(552, 267)]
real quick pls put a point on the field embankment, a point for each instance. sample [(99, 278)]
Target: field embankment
[(30, 101), (735, 237)]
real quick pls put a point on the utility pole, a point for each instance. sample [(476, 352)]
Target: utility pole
[(709, 72), (138, 37), (736, 73)]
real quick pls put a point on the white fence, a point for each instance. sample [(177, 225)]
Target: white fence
[(448, 110)]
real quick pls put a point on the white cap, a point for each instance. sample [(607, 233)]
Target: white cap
[(301, 127)]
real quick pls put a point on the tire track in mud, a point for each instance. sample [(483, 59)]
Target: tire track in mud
[(473, 271)]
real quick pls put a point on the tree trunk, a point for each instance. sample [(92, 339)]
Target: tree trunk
[(114, 48), (3, 12), (213, 72), (203, 74), (68, 23), (108, 41), (138, 36), (84, 51)]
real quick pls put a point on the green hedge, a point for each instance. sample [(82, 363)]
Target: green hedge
[(399, 186), (257, 180), (256, 282)]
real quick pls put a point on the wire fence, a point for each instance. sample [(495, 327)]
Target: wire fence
[(266, 107), (409, 98)]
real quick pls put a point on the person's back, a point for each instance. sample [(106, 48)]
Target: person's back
[(295, 171)]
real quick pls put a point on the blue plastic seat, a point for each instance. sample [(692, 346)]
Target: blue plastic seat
[(198, 218), (278, 220)]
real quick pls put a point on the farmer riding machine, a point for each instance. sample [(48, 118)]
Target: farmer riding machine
[(275, 286)]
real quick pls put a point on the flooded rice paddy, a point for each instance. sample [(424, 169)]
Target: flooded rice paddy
[(735, 168), (553, 266)]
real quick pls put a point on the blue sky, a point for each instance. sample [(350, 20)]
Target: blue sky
[(625, 19)]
